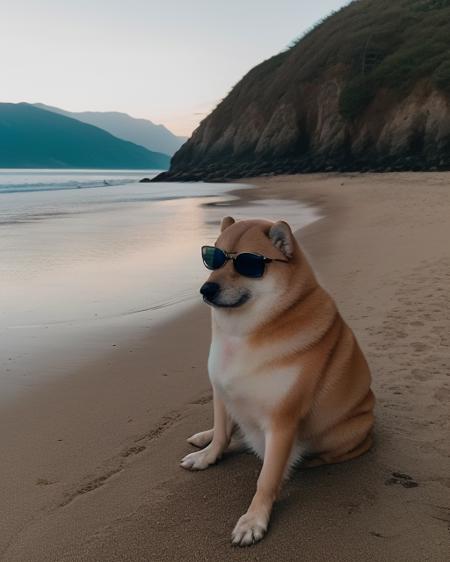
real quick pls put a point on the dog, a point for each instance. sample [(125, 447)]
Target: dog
[(287, 372)]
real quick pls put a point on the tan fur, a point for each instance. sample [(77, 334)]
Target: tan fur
[(285, 369)]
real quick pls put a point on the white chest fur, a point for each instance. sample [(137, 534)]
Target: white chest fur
[(242, 376)]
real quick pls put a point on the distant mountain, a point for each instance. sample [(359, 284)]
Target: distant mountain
[(34, 138), (367, 89), (140, 131)]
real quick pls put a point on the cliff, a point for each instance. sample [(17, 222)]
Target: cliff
[(366, 89)]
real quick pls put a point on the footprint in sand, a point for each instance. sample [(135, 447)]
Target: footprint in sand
[(403, 479)]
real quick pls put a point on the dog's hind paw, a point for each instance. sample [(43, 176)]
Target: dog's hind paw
[(201, 439), (250, 528)]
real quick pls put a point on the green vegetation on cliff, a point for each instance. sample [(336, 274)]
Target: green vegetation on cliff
[(393, 45)]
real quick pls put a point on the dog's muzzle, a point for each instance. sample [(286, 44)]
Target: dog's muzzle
[(216, 296)]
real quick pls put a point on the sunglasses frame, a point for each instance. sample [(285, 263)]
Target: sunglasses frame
[(234, 255)]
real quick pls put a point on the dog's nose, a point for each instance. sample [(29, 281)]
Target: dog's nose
[(210, 290)]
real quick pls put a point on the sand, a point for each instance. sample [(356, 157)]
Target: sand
[(89, 465)]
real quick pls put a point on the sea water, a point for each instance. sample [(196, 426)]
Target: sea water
[(87, 256)]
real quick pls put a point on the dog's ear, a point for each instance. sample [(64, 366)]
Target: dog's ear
[(226, 222), (282, 238)]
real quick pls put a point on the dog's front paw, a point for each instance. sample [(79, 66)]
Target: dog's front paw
[(199, 460), (250, 528)]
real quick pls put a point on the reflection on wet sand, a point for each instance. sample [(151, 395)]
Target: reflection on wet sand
[(80, 264)]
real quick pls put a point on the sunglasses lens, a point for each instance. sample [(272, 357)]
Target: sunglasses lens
[(213, 258), (249, 265)]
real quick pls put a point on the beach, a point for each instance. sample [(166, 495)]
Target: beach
[(90, 463)]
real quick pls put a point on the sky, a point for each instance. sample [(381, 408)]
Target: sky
[(170, 61)]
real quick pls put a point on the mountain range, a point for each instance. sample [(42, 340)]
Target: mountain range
[(140, 131), (31, 137), (367, 89)]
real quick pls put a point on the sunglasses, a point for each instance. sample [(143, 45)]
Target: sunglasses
[(246, 263)]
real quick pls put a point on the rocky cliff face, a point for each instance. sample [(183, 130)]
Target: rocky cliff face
[(356, 93)]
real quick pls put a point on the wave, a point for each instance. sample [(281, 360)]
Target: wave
[(63, 185)]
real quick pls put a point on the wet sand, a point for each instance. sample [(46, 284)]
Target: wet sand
[(81, 269), (90, 462)]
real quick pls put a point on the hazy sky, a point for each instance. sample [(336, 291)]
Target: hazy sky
[(169, 61)]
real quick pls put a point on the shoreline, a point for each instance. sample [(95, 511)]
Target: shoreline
[(101, 487), (59, 307)]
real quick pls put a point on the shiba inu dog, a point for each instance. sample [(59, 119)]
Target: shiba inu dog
[(287, 372)]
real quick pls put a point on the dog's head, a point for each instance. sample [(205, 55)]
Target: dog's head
[(228, 290)]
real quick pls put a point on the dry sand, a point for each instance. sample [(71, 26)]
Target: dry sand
[(89, 466)]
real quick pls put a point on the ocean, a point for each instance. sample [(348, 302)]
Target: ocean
[(87, 256)]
